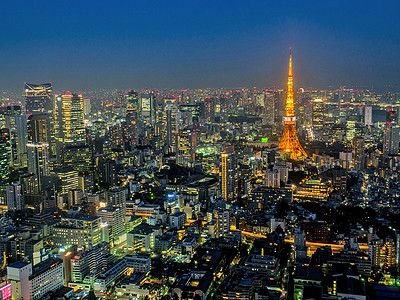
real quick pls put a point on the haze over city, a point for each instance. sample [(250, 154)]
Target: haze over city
[(87, 45)]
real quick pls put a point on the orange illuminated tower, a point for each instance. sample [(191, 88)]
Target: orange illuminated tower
[(290, 143)]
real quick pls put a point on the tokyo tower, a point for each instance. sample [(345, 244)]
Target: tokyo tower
[(289, 142)]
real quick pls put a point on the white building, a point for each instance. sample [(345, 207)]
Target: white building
[(15, 196), (31, 283), (368, 116)]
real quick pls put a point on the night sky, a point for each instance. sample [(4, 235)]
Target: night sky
[(84, 45)]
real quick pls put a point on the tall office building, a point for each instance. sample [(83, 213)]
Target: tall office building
[(147, 108), (132, 117), (68, 177), (228, 176), (78, 157), (5, 156), (38, 160), (21, 139), (5, 159), (186, 147), (358, 153), (38, 97), (40, 129), (15, 196), (170, 111), (69, 121), (318, 113), (391, 139), (368, 116)]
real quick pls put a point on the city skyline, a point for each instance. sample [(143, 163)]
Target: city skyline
[(199, 46)]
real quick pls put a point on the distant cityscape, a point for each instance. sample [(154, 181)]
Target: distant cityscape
[(248, 193)]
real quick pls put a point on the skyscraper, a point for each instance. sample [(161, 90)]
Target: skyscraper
[(69, 122), (368, 116), (132, 121), (391, 139), (21, 138), (40, 129), (38, 97), (228, 176), (317, 113), (5, 158), (290, 143), (147, 108), (185, 147), (38, 160), (358, 153)]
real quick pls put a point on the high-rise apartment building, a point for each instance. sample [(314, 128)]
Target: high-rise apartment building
[(94, 259), (15, 196), (228, 176)]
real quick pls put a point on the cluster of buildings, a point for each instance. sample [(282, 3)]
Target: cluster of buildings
[(203, 194)]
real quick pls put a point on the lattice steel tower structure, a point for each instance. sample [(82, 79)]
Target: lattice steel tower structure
[(289, 142)]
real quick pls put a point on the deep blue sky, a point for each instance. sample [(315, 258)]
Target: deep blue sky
[(82, 45)]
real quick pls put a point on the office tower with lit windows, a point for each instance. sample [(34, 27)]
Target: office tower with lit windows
[(40, 129), (228, 176), (5, 156), (38, 160), (78, 157), (147, 108), (15, 196), (68, 177), (186, 143), (114, 218), (69, 121), (132, 116), (81, 230), (170, 115), (391, 139), (317, 113), (38, 98), (21, 139), (289, 143)]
